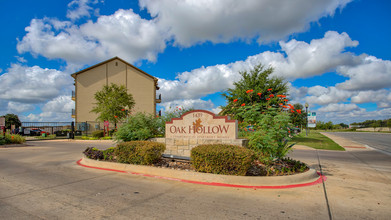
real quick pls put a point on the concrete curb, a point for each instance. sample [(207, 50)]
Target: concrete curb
[(308, 178)]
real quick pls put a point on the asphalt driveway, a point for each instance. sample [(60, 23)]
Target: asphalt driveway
[(43, 181)]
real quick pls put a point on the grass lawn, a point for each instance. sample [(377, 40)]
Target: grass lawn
[(317, 141)]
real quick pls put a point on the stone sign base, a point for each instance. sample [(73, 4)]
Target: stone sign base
[(182, 147)]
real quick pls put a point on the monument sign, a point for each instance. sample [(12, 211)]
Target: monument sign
[(199, 127), (201, 124)]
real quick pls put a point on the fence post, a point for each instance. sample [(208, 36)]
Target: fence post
[(72, 136)]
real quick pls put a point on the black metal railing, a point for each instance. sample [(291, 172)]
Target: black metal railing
[(159, 98)]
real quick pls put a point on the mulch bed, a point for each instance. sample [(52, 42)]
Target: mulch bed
[(257, 168), (176, 164)]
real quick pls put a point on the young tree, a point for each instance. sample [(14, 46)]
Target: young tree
[(12, 119), (256, 86), (329, 125), (259, 102), (320, 125), (113, 103)]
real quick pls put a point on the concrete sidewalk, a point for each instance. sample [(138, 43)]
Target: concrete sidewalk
[(358, 182)]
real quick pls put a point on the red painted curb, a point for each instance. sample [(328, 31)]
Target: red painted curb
[(321, 179)]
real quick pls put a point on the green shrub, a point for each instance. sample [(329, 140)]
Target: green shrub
[(4, 140), (139, 152), (85, 138), (12, 139), (52, 136), (270, 138), (138, 127), (97, 134), (108, 154), (222, 159)]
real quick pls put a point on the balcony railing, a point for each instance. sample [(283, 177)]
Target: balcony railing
[(159, 98)]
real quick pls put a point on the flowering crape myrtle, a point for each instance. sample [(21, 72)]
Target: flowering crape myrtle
[(259, 102), (258, 89)]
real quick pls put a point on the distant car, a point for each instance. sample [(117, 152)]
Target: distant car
[(37, 132), (296, 130)]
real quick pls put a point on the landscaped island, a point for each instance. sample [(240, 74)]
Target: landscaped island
[(216, 159)]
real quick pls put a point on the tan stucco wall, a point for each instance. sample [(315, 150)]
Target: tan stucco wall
[(87, 83), (142, 87)]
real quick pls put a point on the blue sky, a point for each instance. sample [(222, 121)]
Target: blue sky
[(334, 54)]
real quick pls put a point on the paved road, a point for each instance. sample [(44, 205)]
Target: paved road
[(380, 141), (42, 181)]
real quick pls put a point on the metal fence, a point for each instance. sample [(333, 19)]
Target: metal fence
[(50, 127), (63, 128), (88, 127)]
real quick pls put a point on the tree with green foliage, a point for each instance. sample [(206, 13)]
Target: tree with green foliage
[(298, 116), (257, 86), (259, 102), (12, 119), (141, 126), (324, 126), (343, 125), (329, 125), (113, 103)]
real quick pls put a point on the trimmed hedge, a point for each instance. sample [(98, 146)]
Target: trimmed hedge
[(98, 134), (222, 159), (132, 152), (139, 152)]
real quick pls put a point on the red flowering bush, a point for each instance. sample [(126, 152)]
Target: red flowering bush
[(256, 86), (264, 110)]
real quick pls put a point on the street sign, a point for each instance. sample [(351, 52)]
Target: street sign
[(106, 123), (311, 117)]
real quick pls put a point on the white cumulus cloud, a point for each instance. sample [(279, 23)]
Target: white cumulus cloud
[(124, 34), (300, 60), (338, 107), (33, 84), (196, 21), (56, 109), (188, 104), (185, 23), (60, 104), (371, 74), (19, 107)]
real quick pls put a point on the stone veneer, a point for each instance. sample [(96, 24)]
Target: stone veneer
[(182, 147), (199, 127)]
